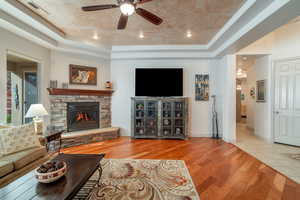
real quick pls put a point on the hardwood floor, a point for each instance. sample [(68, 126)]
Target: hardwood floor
[(219, 170)]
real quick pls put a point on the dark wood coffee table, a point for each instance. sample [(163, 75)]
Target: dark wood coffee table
[(80, 168)]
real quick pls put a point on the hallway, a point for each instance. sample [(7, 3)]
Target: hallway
[(283, 158)]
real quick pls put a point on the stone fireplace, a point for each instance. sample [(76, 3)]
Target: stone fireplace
[(76, 110), (91, 112), (82, 116)]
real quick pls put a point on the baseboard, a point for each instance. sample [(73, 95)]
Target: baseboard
[(229, 141), (205, 135), (200, 136), (268, 140)]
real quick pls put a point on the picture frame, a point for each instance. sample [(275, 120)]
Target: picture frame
[(202, 87), (82, 75), (261, 91)]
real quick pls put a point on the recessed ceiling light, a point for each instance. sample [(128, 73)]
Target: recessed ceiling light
[(95, 37), (245, 58), (141, 35), (189, 34)]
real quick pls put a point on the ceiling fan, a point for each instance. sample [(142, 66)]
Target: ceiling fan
[(127, 7)]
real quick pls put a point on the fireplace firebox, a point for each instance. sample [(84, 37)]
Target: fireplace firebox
[(82, 116)]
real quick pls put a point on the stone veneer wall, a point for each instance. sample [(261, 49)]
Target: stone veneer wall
[(58, 109)]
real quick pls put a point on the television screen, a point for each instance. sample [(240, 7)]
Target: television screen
[(159, 82)]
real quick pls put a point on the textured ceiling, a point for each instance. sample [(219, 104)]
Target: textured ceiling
[(203, 18)]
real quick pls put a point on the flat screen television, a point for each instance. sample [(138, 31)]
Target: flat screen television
[(159, 82)]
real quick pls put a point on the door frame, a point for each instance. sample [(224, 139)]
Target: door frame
[(39, 74), (270, 98)]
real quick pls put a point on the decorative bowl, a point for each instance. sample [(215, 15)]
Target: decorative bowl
[(52, 176)]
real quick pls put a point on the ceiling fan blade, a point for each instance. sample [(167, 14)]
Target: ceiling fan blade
[(143, 1), (122, 22), (149, 16), (99, 7)]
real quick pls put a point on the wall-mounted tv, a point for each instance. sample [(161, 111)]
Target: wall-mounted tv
[(159, 82)]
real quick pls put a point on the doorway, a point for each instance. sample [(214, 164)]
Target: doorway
[(254, 97), (244, 98), (22, 88)]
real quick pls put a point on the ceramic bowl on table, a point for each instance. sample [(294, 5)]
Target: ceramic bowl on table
[(52, 173)]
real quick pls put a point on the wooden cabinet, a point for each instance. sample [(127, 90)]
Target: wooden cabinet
[(160, 117)]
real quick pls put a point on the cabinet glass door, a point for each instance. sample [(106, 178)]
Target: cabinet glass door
[(151, 118), (179, 119), (139, 118), (166, 122)]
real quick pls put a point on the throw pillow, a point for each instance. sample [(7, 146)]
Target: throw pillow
[(18, 138)]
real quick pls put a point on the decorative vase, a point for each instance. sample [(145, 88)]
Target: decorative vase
[(108, 85)]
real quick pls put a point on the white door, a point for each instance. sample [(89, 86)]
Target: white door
[(287, 102)]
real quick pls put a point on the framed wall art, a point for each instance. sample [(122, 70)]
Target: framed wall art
[(202, 87), (261, 91), (82, 75)]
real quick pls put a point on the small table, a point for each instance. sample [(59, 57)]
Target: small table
[(80, 167)]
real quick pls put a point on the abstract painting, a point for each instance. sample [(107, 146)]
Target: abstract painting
[(202, 87), (83, 75)]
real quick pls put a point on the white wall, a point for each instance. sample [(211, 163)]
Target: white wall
[(60, 62), (282, 43), (11, 42), (287, 41), (122, 73), (259, 116), (226, 90)]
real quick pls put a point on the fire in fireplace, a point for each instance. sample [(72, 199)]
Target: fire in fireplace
[(82, 116)]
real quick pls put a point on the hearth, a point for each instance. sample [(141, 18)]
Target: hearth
[(82, 116)]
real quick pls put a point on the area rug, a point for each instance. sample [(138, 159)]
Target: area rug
[(128, 179)]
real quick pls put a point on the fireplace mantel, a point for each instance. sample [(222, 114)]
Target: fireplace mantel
[(60, 91)]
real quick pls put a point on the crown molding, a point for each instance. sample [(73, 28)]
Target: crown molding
[(17, 21), (244, 27), (17, 4), (252, 21), (179, 51)]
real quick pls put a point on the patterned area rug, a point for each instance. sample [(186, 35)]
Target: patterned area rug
[(128, 179)]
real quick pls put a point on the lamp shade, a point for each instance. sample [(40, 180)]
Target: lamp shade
[(36, 110)]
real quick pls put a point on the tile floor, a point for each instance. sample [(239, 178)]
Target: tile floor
[(277, 156)]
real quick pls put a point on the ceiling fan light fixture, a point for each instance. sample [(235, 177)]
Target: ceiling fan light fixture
[(127, 8)]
